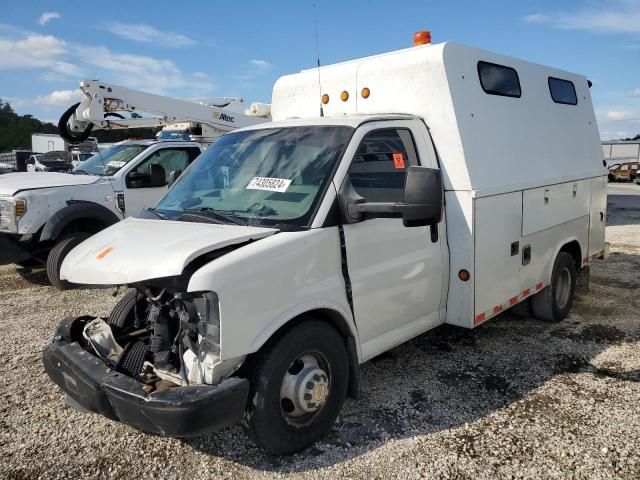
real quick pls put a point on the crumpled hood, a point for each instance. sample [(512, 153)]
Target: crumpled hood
[(12, 183), (140, 249)]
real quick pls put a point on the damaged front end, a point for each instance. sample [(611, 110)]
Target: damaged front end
[(155, 366)]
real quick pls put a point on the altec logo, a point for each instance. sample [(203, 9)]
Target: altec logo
[(223, 116)]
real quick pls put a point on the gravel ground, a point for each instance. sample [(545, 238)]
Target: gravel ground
[(515, 398)]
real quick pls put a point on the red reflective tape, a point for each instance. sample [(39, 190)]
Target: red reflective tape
[(585, 260), (480, 318), (513, 300), (538, 286), (594, 257), (497, 309), (525, 293)]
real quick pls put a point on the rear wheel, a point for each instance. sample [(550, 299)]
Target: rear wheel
[(57, 256), (553, 303), (297, 388)]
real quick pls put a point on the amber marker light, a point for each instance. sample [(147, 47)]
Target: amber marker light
[(464, 275), (325, 99), (365, 92), (344, 96), (423, 37)]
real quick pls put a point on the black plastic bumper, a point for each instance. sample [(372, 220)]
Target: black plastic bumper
[(12, 250), (180, 412)]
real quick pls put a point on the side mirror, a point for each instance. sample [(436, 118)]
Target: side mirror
[(158, 176), (423, 200), (173, 176)]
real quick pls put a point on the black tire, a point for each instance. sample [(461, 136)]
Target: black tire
[(545, 304), (523, 309), (64, 131), (57, 256), (122, 316), (29, 263), (265, 417)]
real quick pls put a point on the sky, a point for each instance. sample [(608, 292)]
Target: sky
[(239, 48)]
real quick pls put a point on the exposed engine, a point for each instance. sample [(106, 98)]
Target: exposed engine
[(173, 340)]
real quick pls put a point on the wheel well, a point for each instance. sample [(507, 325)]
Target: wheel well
[(330, 317), (573, 248), (86, 225)]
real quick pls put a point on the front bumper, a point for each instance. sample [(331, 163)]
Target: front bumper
[(12, 250), (179, 412)]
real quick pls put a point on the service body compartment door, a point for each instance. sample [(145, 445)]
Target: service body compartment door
[(597, 217), (546, 207), (396, 272), (498, 258)]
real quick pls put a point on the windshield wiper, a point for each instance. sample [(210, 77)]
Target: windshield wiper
[(216, 214), (83, 172), (157, 213)]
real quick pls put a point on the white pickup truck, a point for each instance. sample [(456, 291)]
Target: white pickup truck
[(44, 216), (436, 184)]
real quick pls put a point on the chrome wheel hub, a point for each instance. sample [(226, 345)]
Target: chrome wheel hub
[(305, 388)]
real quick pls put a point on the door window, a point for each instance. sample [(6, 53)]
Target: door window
[(171, 159), (378, 169)]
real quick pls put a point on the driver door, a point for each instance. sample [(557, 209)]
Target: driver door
[(139, 194), (396, 272)]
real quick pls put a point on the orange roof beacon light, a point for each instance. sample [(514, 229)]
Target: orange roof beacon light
[(366, 92), (344, 96), (325, 99), (422, 37)]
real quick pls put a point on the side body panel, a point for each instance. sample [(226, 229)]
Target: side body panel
[(516, 241), (460, 300), (265, 284)]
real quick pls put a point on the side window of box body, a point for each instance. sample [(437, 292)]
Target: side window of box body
[(499, 80), (562, 91)]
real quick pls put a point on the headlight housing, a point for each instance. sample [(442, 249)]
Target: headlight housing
[(202, 348), (11, 210)]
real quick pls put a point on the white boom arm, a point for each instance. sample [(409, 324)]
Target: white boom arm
[(104, 103)]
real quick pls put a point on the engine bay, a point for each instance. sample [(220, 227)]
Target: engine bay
[(161, 337)]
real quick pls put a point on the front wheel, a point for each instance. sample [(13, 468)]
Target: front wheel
[(57, 256), (553, 303), (298, 387)]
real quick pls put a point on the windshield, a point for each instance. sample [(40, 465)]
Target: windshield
[(173, 135), (262, 177), (111, 160)]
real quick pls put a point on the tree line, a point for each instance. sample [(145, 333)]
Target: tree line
[(16, 130)]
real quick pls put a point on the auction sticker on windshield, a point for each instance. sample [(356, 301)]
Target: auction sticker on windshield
[(270, 184)]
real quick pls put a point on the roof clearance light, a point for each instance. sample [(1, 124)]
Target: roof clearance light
[(325, 99), (344, 96), (366, 92), (422, 37)]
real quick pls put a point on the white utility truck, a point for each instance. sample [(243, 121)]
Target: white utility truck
[(391, 194), (44, 216)]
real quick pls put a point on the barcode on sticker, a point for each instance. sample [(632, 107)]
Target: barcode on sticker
[(270, 184)]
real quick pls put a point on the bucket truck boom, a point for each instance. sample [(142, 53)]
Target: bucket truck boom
[(104, 106)]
